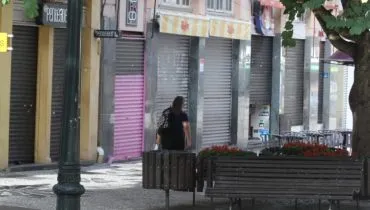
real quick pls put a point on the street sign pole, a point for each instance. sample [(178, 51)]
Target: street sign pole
[(69, 189)]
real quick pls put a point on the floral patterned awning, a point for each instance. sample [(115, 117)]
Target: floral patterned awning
[(230, 29), (184, 24), (202, 26)]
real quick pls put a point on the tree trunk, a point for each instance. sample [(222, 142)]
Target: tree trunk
[(359, 98)]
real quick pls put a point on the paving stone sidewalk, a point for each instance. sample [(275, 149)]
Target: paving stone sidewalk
[(117, 187)]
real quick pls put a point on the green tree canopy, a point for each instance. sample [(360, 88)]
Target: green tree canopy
[(342, 30), (31, 7), (349, 32)]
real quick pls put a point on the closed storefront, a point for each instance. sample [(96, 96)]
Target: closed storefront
[(261, 70), (217, 92), (129, 99), (173, 71), (294, 83), (260, 85), (59, 67), (23, 94)]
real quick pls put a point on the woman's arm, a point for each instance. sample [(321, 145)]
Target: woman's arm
[(187, 132), (158, 139)]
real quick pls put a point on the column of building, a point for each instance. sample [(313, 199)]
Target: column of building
[(35, 65)]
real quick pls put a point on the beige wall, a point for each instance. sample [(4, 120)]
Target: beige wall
[(241, 8), (6, 17)]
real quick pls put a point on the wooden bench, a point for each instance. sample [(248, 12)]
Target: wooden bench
[(284, 178)]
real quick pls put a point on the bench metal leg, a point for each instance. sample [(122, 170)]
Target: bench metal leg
[(194, 197), (167, 199), (239, 201), (296, 204), (338, 204), (212, 203), (331, 204), (231, 204), (357, 203)]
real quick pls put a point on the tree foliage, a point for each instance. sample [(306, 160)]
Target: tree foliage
[(31, 7), (343, 30)]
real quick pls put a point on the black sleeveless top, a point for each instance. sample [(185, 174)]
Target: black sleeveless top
[(172, 134)]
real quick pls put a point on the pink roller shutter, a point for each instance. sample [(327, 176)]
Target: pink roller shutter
[(128, 116)]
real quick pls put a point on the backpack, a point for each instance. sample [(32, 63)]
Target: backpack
[(164, 122)]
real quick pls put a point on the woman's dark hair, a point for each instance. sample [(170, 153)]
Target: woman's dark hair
[(177, 104)]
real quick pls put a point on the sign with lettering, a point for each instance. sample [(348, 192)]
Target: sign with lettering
[(106, 34), (53, 14), (131, 12)]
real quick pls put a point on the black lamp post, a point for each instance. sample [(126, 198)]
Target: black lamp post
[(69, 189)]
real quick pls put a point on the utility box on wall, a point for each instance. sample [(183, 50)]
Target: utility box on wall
[(131, 15)]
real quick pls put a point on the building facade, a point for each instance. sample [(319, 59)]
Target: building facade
[(227, 61), (34, 83), (200, 50), (224, 57)]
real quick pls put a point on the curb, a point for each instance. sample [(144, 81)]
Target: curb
[(41, 167)]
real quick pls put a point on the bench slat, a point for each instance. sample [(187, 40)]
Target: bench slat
[(287, 188), (271, 185), (278, 180), (290, 170), (267, 196), (275, 165), (311, 176), (292, 162), (276, 185), (282, 192)]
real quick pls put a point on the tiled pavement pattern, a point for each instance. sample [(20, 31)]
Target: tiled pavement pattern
[(116, 187)]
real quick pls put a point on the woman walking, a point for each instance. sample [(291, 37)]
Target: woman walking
[(174, 128)]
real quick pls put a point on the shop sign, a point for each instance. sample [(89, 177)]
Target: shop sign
[(106, 34), (131, 12), (53, 14)]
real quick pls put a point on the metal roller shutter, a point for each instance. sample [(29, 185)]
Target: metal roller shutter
[(217, 92), (129, 99), (129, 57), (23, 95), (261, 70), (59, 66), (294, 78), (173, 71), (321, 82)]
